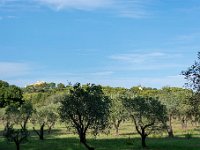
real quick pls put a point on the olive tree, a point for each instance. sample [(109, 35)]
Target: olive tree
[(118, 113), (168, 97), (14, 115), (44, 116), (85, 107), (148, 115), (192, 75)]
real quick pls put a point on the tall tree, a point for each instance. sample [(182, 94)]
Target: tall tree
[(85, 107), (192, 75)]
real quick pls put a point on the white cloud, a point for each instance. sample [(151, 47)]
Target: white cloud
[(13, 69), (130, 9), (136, 57), (144, 61), (77, 4), (122, 8)]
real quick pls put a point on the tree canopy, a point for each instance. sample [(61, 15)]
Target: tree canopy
[(147, 113), (86, 107)]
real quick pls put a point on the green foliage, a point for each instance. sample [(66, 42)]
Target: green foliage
[(9, 94), (16, 115), (148, 115), (118, 113), (16, 135), (192, 74), (44, 115), (145, 111), (85, 108), (60, 86), (19, 115)]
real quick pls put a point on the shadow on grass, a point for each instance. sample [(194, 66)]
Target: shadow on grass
[(105, 144)]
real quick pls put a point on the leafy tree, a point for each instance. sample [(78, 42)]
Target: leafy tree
[(9, 94), (118, 113), (168, 97), (85, 108), (3, 84), (15, 115), (192, 75), (44, 116), (17, 136), (60, 86), (24, 114), (148, 115), (9, 116)]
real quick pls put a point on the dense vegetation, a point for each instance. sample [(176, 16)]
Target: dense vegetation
[(96, 111)]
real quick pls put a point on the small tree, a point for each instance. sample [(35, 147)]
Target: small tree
[(148, 115), (44, 116), (168, 97), (85, 108), (118, 113), (17, 136), (14, 115), (25, 112)]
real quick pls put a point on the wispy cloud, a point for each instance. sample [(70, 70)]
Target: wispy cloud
[(8, 17), (137, 58), (143, 61), (187, 37), (76, 4), (18, 5), (129, 8), (13, 69)]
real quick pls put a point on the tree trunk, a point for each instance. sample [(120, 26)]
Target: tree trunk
[(42, 132), (83, 141), (143, 136), (170, 130), (116, 131), (17, 145), (144, 141), (170, 133), (184, 123), (116, 125), (49, 130)]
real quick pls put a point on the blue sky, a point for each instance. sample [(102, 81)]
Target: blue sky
[(108, 42)]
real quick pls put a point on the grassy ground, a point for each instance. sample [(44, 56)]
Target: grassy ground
[(127, 140), (105, 144)]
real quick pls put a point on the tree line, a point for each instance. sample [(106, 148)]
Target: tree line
[(95, 108)]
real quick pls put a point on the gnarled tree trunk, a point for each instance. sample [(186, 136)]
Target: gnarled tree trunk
[(82, 137), (169, 129), (41, 132)]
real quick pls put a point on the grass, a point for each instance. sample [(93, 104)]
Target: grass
[(60, 139), (71, 143)]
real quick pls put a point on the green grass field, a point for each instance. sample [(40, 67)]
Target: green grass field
[(60, 139)]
